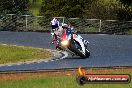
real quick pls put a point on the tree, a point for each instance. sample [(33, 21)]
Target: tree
[(126, 2), (14, 6), (67, 8), (101, 9), (125, 12), (17, 7)]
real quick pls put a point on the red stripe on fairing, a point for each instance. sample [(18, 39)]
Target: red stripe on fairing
[(64, 36)]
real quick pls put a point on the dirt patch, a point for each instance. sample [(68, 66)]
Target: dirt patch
[(22, 76)]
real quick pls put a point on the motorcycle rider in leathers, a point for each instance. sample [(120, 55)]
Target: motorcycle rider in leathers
[(57, 30)]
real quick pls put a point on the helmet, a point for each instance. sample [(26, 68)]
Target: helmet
[(54, 23), (64, 25)]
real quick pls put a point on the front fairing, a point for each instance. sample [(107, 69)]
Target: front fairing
[(79, 39), (66, 36)]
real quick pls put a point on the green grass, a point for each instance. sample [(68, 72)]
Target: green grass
[(56, 82), (12, 54)]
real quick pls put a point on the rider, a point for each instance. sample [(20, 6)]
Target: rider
[(54, 23), (57, 29)]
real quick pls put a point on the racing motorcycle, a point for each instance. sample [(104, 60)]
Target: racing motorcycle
[(73, 43)]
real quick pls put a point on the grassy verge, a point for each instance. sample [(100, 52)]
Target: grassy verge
[(60, 81), (13, 54), (57, 82)]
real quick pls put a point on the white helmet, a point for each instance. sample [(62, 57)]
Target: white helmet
[(64, 25)]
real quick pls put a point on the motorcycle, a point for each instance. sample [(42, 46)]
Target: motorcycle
[(72, 43)]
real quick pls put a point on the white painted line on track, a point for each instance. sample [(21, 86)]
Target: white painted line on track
[(65, 55), (9, 65), (18, 64), (45, 61), (57, 59), (51, 60), (4, 44)]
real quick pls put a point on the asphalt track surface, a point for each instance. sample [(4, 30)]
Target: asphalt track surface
[(106, 50)]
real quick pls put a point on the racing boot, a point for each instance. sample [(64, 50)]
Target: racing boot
[(58, 48), (54, 39)]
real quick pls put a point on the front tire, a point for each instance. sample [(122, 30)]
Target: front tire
[(75, 50), (87, 53)]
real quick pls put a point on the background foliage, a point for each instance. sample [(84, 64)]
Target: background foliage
[(100, 9), (106, 10), (13, 6)]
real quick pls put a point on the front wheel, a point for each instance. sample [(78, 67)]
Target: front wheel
[(76, 48), (87, 53)]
